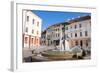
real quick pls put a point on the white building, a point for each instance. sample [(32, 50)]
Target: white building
[(31, 29)]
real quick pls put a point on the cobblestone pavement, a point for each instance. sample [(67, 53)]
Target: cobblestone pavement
[(28, 56), (28, 52)]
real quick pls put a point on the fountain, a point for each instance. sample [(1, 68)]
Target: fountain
[(64, 45), (63, 52)]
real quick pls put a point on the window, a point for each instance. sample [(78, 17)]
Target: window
[(38, 24), (80, 25), (71, 34), (33, 21), (81, 43), (86, 34), (66, 35), (86, 43), (37, 32), (76, 43), (26, 30), (63, 29), (32, 40), (58, 29), (27, 18), (70, 27), (26, 39), (51, 42), (48, 30), (80, 33), (66, 28), (37, 41), (58, 34), (75, 26), (90, 23), (32, 31), (75, 34)]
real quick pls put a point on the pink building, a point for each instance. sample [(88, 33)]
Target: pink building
[(31, 30)]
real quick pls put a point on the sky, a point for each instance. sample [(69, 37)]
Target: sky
[(52, 17)]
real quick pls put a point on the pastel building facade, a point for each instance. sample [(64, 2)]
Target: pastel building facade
[(77, 31), (54, 34), (31, 30), (43, 38)]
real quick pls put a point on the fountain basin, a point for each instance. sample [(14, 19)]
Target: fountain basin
[(58, 55)]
